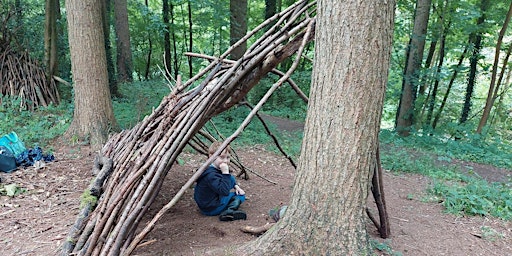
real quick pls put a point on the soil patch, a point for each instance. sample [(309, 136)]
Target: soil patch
[(37, 221)]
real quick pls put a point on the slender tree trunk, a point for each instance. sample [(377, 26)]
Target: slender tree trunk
[(238, 26), (176, 62), (490, 95), (50, 38), (405, 114), (124, 51), (327, 213), (475, 39), (150, 51), (190, 39), (93, 114), (111, 69), (450, 84), (167, 38)]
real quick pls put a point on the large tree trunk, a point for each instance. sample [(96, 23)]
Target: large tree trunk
[(124, 51), (327, 213), (405, 114), (93, 115)]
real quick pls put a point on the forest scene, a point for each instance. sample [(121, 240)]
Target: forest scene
[(381, 127)]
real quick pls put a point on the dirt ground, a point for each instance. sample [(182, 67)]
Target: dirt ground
[(37, 221)]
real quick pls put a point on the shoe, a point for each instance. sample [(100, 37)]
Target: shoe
[(233, 215)]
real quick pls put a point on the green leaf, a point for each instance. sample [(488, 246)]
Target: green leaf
[(11, 189)]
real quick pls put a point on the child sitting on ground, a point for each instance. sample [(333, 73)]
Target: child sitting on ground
[(212, 192)]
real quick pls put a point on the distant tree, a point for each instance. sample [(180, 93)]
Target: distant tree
[(406, 107), (111, 69), (493, 87), (238, 26), (326, 215), (124, 51), (167, 37), (93, 116), (475, 40), (52, 10)]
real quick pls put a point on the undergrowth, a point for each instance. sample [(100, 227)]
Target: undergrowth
[(462, 194)]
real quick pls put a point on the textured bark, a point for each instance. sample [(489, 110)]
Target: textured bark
[(50, 38), (405, 113), (124, 52), (327, 213), (93, 114), (238, 26)]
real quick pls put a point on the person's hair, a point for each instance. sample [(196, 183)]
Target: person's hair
[(216, 145)]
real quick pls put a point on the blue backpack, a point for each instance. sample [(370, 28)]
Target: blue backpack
[(12, 143)]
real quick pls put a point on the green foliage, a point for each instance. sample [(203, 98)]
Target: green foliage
[(139, 99), (475, 148), (432, 156), (478, 197), (383, 247), (36, 127), (11, 190)]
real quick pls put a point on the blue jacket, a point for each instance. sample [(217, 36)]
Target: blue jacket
[(211, 186)]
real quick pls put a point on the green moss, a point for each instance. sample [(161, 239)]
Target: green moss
[(87, 199)]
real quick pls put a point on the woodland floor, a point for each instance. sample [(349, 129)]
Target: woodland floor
[(37, 222)]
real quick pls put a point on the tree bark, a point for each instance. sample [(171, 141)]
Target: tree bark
[(238, 26), (50, 38), (405, 113), (124, 51), (93, 114), (326, 215)]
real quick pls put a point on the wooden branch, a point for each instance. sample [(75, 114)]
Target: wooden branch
[(276, 142), (257, 230)]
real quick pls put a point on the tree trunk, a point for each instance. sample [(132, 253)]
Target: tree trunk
[(111, 69), (124, 51), (410, 82), (433, 96), (475, 39), (327, 213), (238, 26), (490, 96), (50, 38), (450, 84), (167, 38), (190, 38), (93, 114)]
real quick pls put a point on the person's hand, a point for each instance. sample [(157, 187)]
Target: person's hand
[(239, 190), (224, 168)]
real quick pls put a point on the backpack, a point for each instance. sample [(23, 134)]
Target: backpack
[(7, 160), (12, 143)]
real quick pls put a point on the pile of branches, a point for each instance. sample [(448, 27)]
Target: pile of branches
[(143, 156), (22, 77)]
